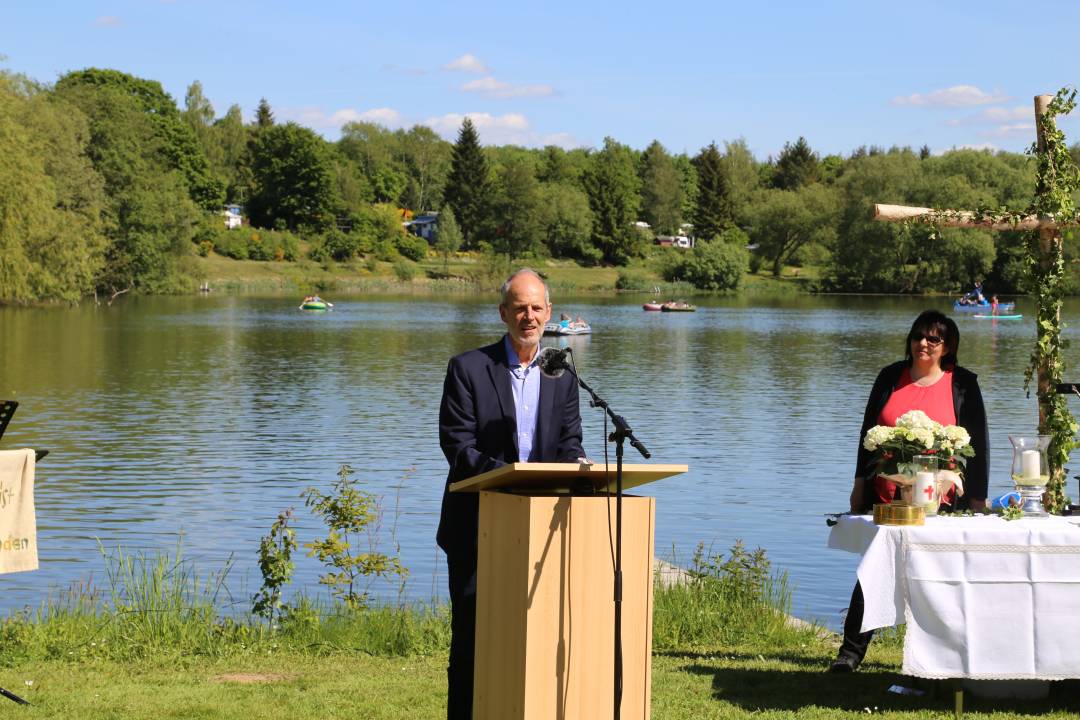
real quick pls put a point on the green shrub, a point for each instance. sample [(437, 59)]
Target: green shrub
[(405, 270), (633, 280), (339, 246), (723, 601), (413, 247), (714, 265)]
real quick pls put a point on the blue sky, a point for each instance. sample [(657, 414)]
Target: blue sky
[(842, 74)]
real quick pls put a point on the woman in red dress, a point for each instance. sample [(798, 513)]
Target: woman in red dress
[(928, 379)]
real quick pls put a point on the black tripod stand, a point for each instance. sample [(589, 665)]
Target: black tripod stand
[(621, 433)]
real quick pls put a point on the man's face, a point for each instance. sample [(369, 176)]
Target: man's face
[(526, 310)]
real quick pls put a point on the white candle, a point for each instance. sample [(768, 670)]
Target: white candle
[(1029, 465), (924, 487)]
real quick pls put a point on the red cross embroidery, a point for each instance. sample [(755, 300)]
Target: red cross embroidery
[(929, 490)]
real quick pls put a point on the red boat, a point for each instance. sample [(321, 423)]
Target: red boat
[(651, 306)]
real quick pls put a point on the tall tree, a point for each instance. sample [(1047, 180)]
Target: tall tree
[(743, 178), (264, 116), (796, 166), (51, 199), (518, 229), (468, 188), (614, 194), (294, 182), (714, 211), (787, 220), (661, 190), (178, 141), (231, 137), (146, 156), (426, 158), (447, 237), (567, 221)]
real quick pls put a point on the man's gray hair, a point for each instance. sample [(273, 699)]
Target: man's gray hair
[(504, 291)]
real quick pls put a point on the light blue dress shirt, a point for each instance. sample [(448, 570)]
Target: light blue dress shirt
[(525, 381)]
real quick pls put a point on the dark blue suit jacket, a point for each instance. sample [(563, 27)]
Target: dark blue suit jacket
[(478, 432)]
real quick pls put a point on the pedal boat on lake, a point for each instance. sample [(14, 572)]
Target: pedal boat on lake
[(554, 328), (317, 304), (677, 307)]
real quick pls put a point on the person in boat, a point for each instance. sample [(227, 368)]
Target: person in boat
[(476, 436), (564, 320), (579, 323), (993, 305), (930, 379), (976, 297)]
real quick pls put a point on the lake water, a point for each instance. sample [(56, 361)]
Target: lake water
[(204, 417)]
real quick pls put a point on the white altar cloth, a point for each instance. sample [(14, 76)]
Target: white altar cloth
[(982, 597)]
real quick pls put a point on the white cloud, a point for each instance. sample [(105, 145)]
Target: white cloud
[(467, 63), (317, 119), (995, 116), (107, 21), (507, 129), (498, 89), (1009, 130), (955, 96)]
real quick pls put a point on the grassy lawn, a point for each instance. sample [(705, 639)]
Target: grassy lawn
[(721, 682)]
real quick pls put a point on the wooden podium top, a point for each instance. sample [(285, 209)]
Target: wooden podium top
[(564, 476)]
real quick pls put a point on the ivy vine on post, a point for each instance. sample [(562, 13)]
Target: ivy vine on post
[(1056, 180)]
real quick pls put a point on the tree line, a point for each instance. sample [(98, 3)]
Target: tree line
[(107, 185)]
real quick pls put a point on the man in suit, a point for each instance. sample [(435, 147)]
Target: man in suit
[(496, 409)]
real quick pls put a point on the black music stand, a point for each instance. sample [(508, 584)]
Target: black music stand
[(7, 409)]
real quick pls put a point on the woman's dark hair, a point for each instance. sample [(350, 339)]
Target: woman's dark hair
[(933, 322)]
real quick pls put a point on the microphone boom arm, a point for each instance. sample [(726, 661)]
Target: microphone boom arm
[(622, 428)]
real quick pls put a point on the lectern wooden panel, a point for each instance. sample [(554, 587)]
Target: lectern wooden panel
[(545, 611)]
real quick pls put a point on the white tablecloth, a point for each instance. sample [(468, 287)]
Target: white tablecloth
[(982, 597)]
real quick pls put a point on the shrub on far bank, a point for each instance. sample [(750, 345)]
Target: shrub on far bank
[(634, 280), (712, 265), (413, 247), (248, 243)]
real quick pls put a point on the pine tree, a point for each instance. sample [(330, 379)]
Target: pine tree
[(796, 166), (661, 190), (264, 118), (614, 195), (468, 189), (714, 212)]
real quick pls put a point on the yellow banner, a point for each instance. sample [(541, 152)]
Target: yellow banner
[(18, 526)]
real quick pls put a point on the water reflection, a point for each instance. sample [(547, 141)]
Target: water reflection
[(208, 416)]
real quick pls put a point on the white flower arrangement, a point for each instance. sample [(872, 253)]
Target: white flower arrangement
[(916, 434)]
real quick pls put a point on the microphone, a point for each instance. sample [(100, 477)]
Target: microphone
[(552, 361)]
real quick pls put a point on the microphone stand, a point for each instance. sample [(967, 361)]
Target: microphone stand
[(619, 436)]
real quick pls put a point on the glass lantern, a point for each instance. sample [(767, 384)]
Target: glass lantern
[(926, 494), (1030, 472)]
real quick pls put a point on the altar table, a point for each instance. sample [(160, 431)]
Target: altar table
[(982, 597)]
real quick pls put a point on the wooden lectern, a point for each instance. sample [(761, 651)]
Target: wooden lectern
[(544, 606)]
